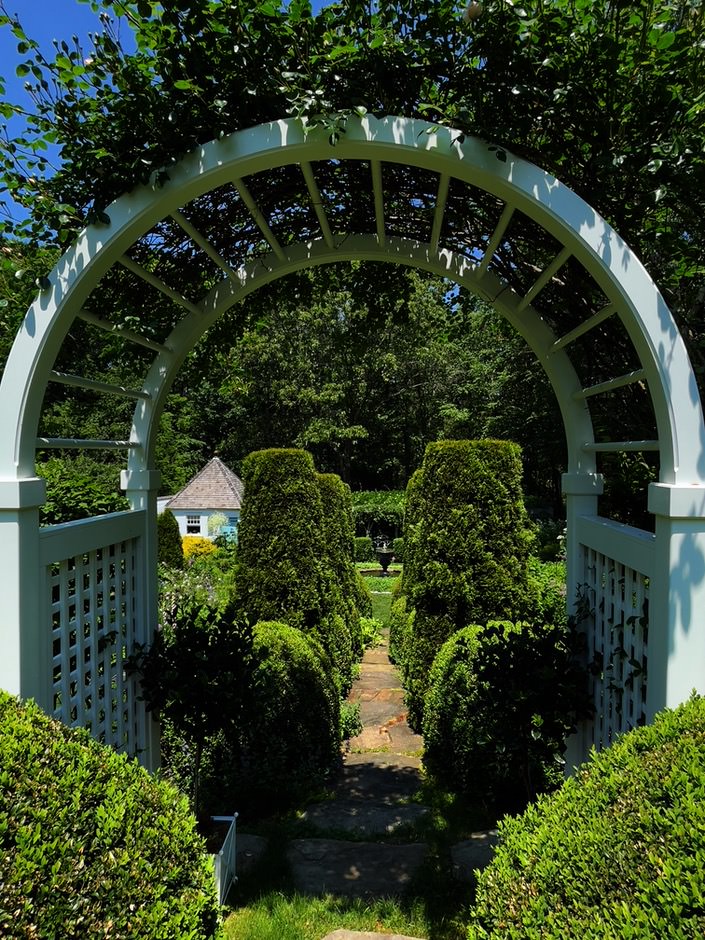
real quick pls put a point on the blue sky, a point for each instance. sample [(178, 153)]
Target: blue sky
[(43, 20)]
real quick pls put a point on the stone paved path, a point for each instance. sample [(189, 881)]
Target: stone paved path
[(372, 798), (348, 854)]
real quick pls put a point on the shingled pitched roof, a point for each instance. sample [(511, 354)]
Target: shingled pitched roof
[(213, 487)]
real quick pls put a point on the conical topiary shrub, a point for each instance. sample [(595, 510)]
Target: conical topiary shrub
[(282, 566), (170, 550), (467, 546)]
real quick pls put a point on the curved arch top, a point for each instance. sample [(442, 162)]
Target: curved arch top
[(519, 186)]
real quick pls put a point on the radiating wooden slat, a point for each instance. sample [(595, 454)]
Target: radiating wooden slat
[(130, 335), (260, 221), (378, 190), (544, 278), (441, 199), (496, 238), (611, 447), (317, 203), (584, 328), (630, 378), (203, 243), (74, 443), (159, 284), (78, 381)]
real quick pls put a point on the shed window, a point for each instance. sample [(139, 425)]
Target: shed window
[(193, 525)]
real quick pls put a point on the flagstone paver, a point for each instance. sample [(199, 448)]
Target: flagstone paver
[(374, 797)]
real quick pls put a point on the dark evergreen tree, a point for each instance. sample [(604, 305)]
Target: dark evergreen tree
[(170, 551)]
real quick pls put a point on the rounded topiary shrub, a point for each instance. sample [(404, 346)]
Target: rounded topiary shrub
[(290, 736), (618, 851), (170, 550), (501, 700), (90, 844)]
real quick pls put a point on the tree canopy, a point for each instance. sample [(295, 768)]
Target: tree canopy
[(606, 96)]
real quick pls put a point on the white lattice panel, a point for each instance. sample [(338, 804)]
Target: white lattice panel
[(92, 633), (616, 599)]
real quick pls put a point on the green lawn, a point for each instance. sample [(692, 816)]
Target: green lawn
[(381, 589)]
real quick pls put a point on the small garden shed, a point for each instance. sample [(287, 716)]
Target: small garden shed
[(214, 493)]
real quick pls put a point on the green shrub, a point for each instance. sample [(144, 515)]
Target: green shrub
[(90, 844), (399, 629), (350, 720), (363, 597), (467, 548), (78, 487), (195, 676), (398, 546), (501, 701), (547, 596), (617, 852), (338, 541), (289, 739), (364, 549), (371, 632), (170, 551), (282, 565)]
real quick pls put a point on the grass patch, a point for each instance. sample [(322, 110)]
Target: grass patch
[(277, 917), (264, 905), (381, 607), (381, 589)]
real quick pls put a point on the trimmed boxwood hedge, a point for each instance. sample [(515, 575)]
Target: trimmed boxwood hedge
[(338, 542), (502, 699), (90, 844), (364, 549), (283, 570), (467, 542), (290, 736), (617, 852)]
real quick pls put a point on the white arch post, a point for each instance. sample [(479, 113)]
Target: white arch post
[(645, 590)]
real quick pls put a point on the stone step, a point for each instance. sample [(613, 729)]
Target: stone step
[(353, 869), (381, 778), (362, 817)]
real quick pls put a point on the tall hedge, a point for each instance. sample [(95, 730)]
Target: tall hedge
[(90, 844), (617, 852), (339, 544), (467, 546), (282, 563), (170, 550)]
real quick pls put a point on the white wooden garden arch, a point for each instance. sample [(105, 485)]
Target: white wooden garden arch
[(76, 596)]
